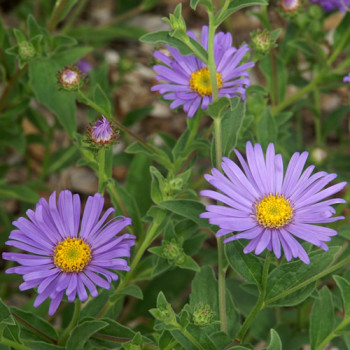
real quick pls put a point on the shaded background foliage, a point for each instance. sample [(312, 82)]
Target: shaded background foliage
[(41, 150)]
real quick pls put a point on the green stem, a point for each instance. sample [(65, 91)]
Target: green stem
[(13, 344), (306, 89), (98, 109), (114, 194), (66, 333), (211, 59), (194, 49), (260, 303), (189, 336), (333, 334), (310, 280), (101, 170), (10, 85), (57, 13), (140, 250), (317, 117), (340, 47)]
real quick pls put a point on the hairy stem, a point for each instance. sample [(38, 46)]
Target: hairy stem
[(66, 333), (101, 170), (260, 303)]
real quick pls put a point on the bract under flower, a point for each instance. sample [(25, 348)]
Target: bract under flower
[(65, 254), (270, 208), (187, 80)]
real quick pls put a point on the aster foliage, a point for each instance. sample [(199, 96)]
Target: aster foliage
[(198, 205)]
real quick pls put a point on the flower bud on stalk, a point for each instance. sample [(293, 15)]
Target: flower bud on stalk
[(102, 133), (173, 252), (262, 42), (26, 50), (70, 78), (202, 315), (290, 6)]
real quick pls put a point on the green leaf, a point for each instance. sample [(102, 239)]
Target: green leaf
[(267, 129), (137, 115), (40, 345), (71, 56), (275, 341), (344, 287), (322, 318), (42, 75), (234, 6), (19, 192), (342, 30), (101, 99), (33, 322), (5, 315), (193, 4), (231, 127), (156, 185), (334, 120), (33, 27), (132, 290), (189, 264), (187, 208), (219, 107), (160, 156), (292, 276), (62, 159), (82, 333), (249, 266), (164, 37)]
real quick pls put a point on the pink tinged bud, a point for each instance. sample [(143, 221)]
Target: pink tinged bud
[(290, 5), (103, 132), (70, 78)]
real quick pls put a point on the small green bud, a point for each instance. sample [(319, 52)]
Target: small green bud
[(173, 252), (26, 50), (172, 187), (262, 42), (202, 315)]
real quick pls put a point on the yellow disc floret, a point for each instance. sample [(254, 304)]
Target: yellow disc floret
[(274, 211), (200, 81), (72, 255)]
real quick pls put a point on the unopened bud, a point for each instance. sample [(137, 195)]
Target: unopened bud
[(290, 5), (202, 315), (70, 78), (173, 252), (262, 42), (26, 50), (319, 155), (102, 133)]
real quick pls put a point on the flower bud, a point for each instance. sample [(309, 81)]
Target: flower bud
[(290, 5), (102, 133), (346, 79), (26, 50), (319, 155), (202, 315), (262, 42), (173, 252), (70, 78), (172, 187)]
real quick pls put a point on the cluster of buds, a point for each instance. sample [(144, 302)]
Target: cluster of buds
[(102, 133), (70, 78), (173, 252), (26, 50), (202, 315)]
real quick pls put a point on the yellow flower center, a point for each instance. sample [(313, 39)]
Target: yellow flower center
[(200, 81), (274, 211), (72, 255)]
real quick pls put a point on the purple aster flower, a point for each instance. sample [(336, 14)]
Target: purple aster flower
[(84, 66), (347, 78), (330, 5), (63, 258), (188, 80), (270, 208), (102, 132)]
